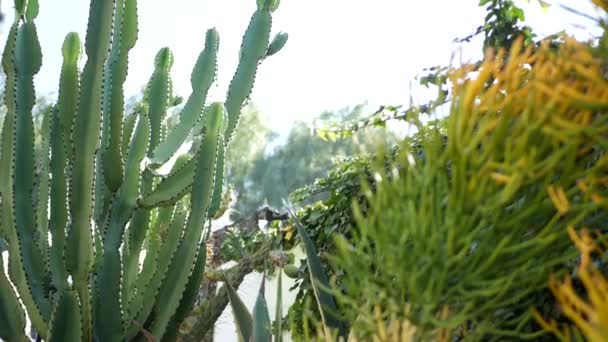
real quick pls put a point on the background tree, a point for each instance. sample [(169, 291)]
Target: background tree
[(261, 178)]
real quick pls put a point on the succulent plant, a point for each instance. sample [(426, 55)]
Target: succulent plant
[(94, 187)]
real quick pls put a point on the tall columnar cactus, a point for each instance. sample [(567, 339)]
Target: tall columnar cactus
[(74, 263)]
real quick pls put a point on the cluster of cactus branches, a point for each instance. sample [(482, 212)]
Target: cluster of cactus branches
[(79, 208)]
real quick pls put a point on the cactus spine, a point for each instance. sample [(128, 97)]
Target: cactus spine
[(102, 204)]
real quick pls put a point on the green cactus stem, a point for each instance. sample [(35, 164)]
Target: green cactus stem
[(253, 50), (123, 40), (28, 60), (171, 292), (203, 76), (277, 43), (84, 176), (61, 130), (79, 244)]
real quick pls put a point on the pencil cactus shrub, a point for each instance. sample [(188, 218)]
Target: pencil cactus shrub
[(467, 233), (588, 311), (80, 206)]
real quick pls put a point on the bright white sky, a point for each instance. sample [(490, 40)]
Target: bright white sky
[(340, 52)]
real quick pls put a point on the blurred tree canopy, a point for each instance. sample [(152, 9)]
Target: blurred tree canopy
[(263, 171)]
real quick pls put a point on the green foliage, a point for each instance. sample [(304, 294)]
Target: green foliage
[(325, 301), (261, 178), (75, 172), (333, 216), (464, 236), (323, 220), (254, 326), (239, 244)]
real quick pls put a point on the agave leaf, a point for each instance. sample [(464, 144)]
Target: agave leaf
[(325, 301), (242, 316), (261, 331)]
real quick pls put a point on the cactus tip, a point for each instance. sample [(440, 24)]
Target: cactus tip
[(21, 7), (278, 42), (164, 59), (268, 5), (71, 47)]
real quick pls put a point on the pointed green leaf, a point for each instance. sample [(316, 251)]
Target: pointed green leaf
[(261, 330), (242, 316), (318, 278)]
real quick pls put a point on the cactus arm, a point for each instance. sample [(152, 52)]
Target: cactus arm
[(43, 183), (20, 8), (58, 209), (15, 262), (253, 50), (157, 96), (69, 86), (61, 128), (218, 187), (33, 8), (171, 189), (108, 307), (124, 38), (12, 317), (28, 60), (6, 151), (142, 302), (202, 77), (191, 292), (86, 139), (66, 324), (158, 228), (277, 44), (202, 190), (79, 242), (102, 198), (127, 131), (134, 239)]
